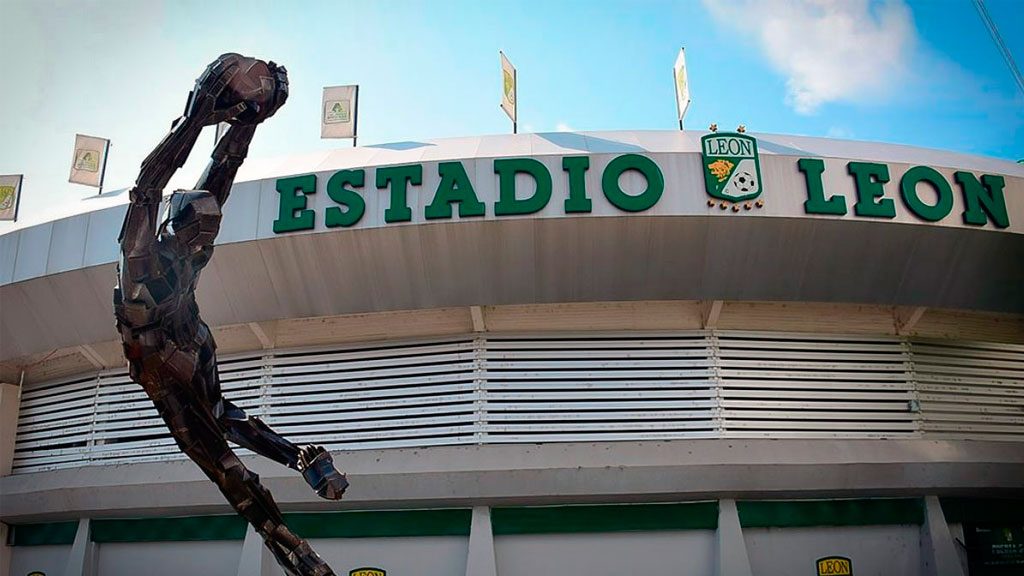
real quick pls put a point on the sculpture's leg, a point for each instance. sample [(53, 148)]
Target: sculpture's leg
[(197, 434), (314, 462)]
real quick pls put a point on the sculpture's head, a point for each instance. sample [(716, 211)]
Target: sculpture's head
[(194, 216), (263, 86)]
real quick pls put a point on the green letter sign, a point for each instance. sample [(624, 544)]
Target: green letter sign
[(291, 202), (908, 187), (978, 203), (454, 188), (870, 177), (346, 197), (399, 177), (816, 203), (507, 202), (577, 167), (642, 164)]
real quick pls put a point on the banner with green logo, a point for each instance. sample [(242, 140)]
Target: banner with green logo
[(89, 160), (338, 113), (508, 87), (682, 85), (10, 194)]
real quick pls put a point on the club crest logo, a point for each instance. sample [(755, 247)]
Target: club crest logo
[(6, 197), (732, 169), (87, 160), (367, 572), (337, 111), (509, 86), (834, 566)]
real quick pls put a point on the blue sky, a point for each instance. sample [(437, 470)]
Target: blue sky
[(918, 73)]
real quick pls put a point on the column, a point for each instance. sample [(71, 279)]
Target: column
[(730, 547), (480, 560)]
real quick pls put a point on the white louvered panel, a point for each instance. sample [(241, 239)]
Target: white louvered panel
[(804, 385), (144, 430), (54, 424), (970, 389), (494, 388), (598, 387), (376, 395)]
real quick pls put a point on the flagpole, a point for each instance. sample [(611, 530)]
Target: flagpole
[(103, 171), (515, 96), (355, 121)]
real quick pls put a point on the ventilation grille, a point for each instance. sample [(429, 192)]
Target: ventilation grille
[(970, 389), (598, 388), (509, 388), (792, 386), (385, 396)]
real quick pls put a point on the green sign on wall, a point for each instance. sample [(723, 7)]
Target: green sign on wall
[(731, 170)]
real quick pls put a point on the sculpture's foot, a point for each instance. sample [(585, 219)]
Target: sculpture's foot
[(303, 561), (318, 469)]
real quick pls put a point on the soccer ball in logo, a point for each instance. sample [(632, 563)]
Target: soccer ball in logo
[(744, 182)]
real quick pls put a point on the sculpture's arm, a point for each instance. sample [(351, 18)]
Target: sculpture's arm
[(138, 235), (260, 102), (228, 155)]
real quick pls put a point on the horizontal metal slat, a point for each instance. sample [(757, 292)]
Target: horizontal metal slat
[(371, 404), (603, 364), (330, 428), (599, 374), (839, 416), (804, 364), (537, 408), (280, 419), (811, 405), (603, 415), (734, 373), (733, 393), (835, 427), (519, 428)]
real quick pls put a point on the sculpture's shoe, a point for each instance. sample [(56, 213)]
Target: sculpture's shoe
[(318, 469)]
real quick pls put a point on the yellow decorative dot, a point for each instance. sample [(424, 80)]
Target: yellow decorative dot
[(747, 206), (711, 203), (735, 207), (760, 203), (723, 206)]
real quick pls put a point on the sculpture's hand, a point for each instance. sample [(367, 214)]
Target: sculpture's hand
[(318, 469), (238, 90)]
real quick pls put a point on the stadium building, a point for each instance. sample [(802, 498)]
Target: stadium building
[(572, 354)]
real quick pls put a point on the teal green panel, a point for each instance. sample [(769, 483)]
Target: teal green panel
[(605, 518), (794, 513), (51, 533), (186, 529), (376, 524)]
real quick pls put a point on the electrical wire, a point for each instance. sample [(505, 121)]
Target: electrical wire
[(1000, 45)]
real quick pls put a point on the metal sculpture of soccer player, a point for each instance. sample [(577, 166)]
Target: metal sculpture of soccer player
[(170, 350)]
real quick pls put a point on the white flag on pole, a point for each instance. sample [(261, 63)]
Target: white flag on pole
[(508, 87), (89, 160), (682, 85), (339, 112), (10, 196)]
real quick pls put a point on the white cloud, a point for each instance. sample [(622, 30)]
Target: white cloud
[(830, 50), (563, 127), (838, 132)]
